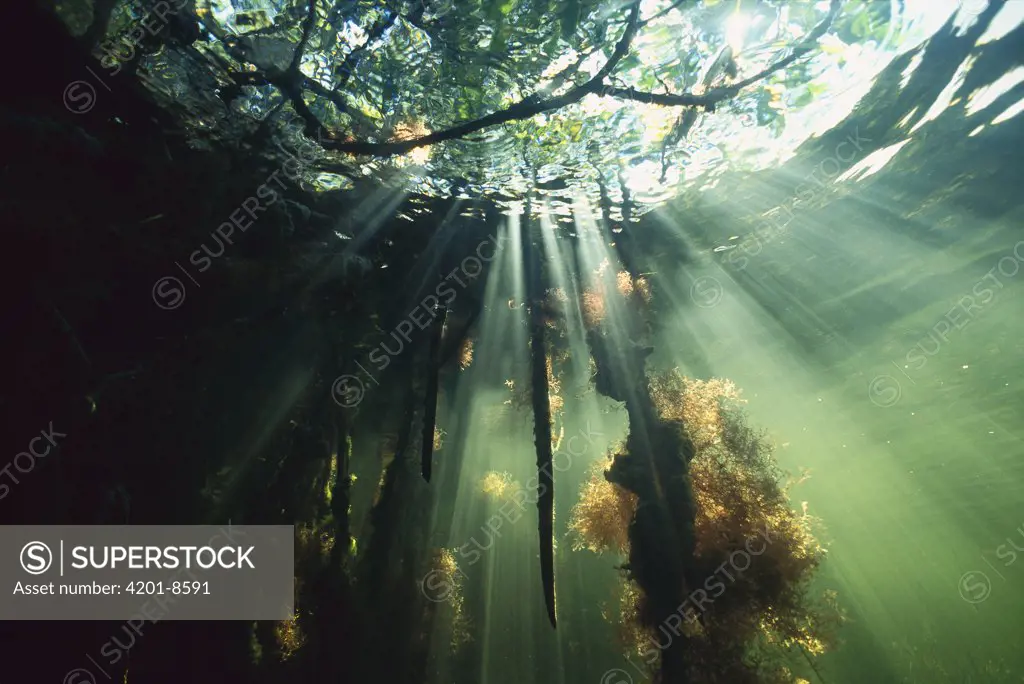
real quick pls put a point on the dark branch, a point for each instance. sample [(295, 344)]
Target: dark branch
[(659, 15), (521, 110), (805, 47), (430, 405), (559, 79), (332, 95), (314, 128), (524, 109), (665, 99), (621, 48), (531, 106), (100, 21), (307, 31), (717, 95), (347, 67)]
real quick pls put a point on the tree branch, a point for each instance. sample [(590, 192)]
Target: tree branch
[(100, 21), (307, 31), (347, 67), (717, 95), (805, 47), (332, 95), (314, 128), (559, 79), (523, 109), (621, 48), (659, 15), (531, 106)]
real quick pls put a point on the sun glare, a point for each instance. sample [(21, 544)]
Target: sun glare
[(736, 28)]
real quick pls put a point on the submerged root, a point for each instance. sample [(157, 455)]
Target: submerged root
[(756, 617)]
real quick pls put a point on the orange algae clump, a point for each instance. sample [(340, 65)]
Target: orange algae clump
[(766, 621), (466, 354), (600, 519), (497, 486), (593, 308)]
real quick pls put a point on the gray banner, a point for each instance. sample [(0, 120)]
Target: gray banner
[(147, 572)]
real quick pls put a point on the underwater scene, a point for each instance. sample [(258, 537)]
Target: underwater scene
[(574, 341)]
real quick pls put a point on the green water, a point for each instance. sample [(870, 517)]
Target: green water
[(918, 492), (878, 340), (823, 197), (916, 484)]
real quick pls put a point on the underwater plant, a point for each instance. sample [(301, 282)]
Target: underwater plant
[(466, 353), (555, 400), (751, 622), (446, 593), (592, 306), (289, 637), (642, 287), (521, 392), (600, 519), (498, 486), (624, 283), (630, 286)]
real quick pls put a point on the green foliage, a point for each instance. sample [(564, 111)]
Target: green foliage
[(373, 71)]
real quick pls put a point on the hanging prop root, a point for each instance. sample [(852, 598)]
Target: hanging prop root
[(545, 477), (541, 419), (430, 407)]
